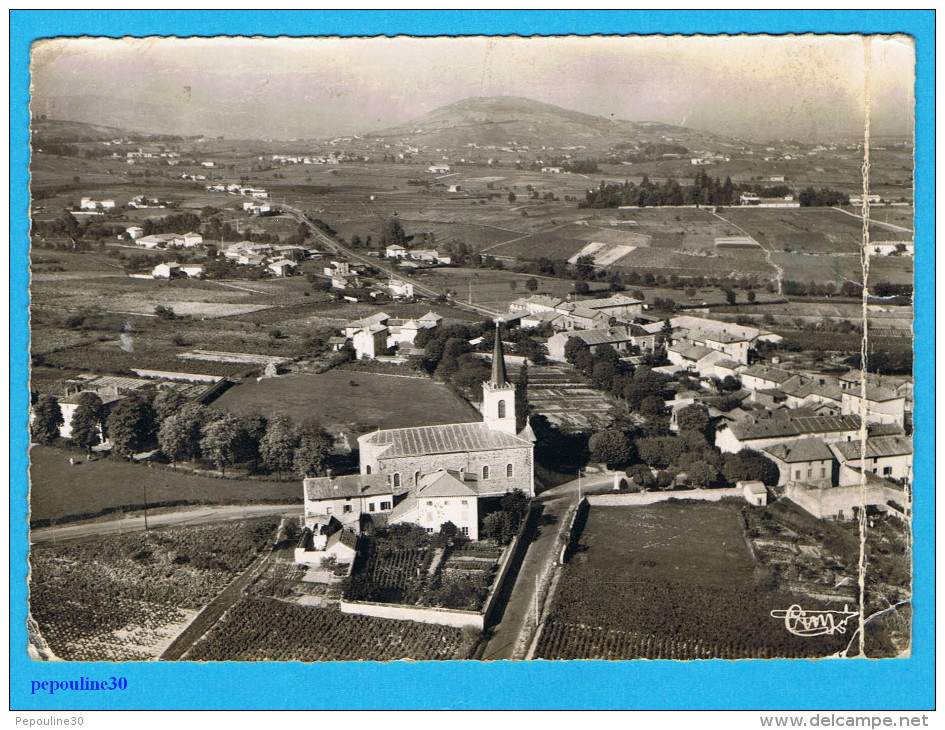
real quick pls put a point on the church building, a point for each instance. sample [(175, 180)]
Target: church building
[(492, 449), (427, 475)]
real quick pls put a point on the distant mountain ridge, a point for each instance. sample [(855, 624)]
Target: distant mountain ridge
[(505, 120)]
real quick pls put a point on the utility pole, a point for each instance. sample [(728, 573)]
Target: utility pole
[(144, 485)]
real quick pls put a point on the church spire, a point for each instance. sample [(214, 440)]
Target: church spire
[(498, 379)]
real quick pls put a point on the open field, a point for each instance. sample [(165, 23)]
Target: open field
[(59, 490), (376, 401), (668, 581), (491, 288), (125, 597), (266, 629), (807, 230)]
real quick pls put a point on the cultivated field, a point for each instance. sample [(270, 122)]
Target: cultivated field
[(669, 581), (59, 490), (349, 400), (125, 597), (266, 629), (490, 288)]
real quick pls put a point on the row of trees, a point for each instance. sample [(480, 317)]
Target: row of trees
[(609, 373), (188, 431)]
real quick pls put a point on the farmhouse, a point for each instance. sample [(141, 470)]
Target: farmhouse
[(446, 495), (400, 289), (395, 251), (695, 358), (370, 341), (134, 232), (621, 338), (438, 169), (282, 267)]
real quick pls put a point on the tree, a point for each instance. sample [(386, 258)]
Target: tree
[(730, 296), (693, 418), (277, 447), (642, 475), (87, 421), (515, 504), (498, 526), (315, 445), (750, 465), (751, 295), (168, 402), (532, 284), (164, 312), (521, 398), (130, 425), (179, 434), (392, 234), (219, 440), (652, 405), (703, 474), (611, 447), (511, 197), (47, 418)]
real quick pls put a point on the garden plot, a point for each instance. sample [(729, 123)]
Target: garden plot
[(559, 394)]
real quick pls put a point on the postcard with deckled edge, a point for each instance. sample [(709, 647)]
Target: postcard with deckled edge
[(469, 352)]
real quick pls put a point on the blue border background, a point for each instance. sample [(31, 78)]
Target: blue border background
[(904, 684)]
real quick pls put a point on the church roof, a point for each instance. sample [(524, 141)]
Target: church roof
[(444, 439)]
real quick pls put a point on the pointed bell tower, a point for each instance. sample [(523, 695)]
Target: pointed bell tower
[(498, 394)]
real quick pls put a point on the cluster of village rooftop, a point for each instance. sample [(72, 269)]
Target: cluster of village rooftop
[(807, 423)]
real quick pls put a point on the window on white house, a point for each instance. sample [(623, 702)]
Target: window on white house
[(465, 503), (508, 471), (371, 507), (823, 471), (797, 474), (367, 469), (416, 478), (385, 505), (465, 531), (327, 510), (347, 508), (485, 472), (429, 529), (396, 480), (429, 504), (887, 470)]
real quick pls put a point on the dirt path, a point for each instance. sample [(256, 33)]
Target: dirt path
[(197, 516), (213, 611), (767, 251)]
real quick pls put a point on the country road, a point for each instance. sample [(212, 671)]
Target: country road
[(201, 515), (378, 263), (542, 552)]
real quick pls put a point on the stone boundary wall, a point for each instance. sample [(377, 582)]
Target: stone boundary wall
[(171, 375), (441, 616), (642, 498), (512, 557)]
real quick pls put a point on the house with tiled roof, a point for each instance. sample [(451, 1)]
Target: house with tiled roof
[(761, 377), (889, 457), (447, 495), (883, 405), (807, 460), (768, 429)]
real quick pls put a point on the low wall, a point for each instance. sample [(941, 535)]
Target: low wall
[(442, 616), (511, 561), (170, 375), (839, 502), (641, 498)]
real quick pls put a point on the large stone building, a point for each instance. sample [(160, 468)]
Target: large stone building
[(501, 458)]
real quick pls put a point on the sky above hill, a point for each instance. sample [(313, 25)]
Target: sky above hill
[(750, 87)]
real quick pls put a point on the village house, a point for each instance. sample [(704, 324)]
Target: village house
[(370, 341), (400, 289), (694, 358), (535, 304), (762, 377), (395, 251), (345, 499), (887, 456), (807, 460), (622, 338), (761, 431), (754, 492), (438, 169), (134, 232), (883, 404), (446, 495), (282, 267)]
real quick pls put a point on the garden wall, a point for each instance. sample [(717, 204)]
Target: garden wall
[(188, 377), (641, 498), (442, 616), (511, 561)]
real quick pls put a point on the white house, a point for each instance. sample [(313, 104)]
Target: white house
[(395, 251), (165, 270), (883, 405), (438, 169), (443, 496), (194, 271), (754, 492), (370, 341), (758, 432), (807, 460), (191, 239), (400, 289), (134, 232), (282, 267)]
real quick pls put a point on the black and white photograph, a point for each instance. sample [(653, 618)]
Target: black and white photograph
[(471, 348)]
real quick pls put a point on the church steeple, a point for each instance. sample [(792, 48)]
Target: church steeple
[(498, 394), (498, 378)]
